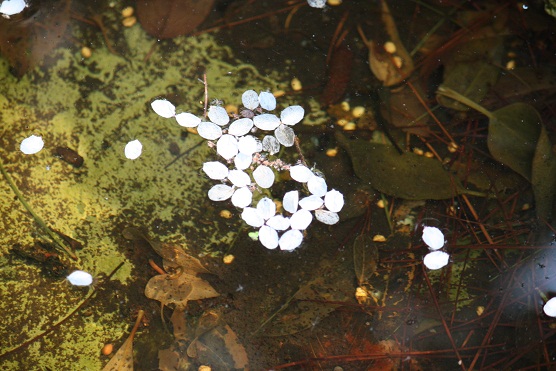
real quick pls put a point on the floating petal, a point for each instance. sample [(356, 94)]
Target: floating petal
[(301, 219), (239, 178), (266, 121), (240, 127), (188, 120), (317, 186), (550, 308), (285, 135), (327, 217), (267, 100), (292, 115), (436, 259), (220, 192), (227, 146), (311, 202), (209, 130), (271, 144), (252, 217), (250, 99), (268, 237), (133, 149), (334, 200), (290, 201), (163, 108), (266, 208), (31, 145), (264, 176), (243, 161), (433, 237), (80, 278), (242, 197), (290, 240), (215, 170), (278, 222), (218, 115), (301, 173), (248, 144)]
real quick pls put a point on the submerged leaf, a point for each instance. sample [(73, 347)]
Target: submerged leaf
[(123, 359), (178, 290), (543, 177), (165, 19), (408, 176), (365, 258)]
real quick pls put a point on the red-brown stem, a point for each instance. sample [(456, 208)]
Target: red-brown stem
[(156, 267)]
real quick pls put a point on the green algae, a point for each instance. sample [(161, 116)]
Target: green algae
[(96, 106)]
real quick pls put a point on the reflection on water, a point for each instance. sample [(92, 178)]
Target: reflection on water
[(354, 295)]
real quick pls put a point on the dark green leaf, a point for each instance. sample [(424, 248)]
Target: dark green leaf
[(543, 176)]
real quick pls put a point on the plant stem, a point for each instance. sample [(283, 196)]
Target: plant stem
[(447, 92), (37, 218)]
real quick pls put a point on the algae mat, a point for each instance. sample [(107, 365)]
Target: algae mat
[(95, 107)]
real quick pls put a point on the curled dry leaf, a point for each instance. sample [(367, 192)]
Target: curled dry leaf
[(179, 289), (165, 19)]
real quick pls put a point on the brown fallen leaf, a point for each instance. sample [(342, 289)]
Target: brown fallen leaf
[(123, 359)]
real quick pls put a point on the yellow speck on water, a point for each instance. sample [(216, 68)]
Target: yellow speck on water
[(350, 126), (86, 52), (127, 12), (480, 310), (452, 147), (228, 259), (418, 151), (429, 154), (358, 111), (279, 93), (390, 47), (296, 84), (381, 204), (231, 109), (379, 238), (342, 122), (129, 21), (226, 214), (398, 61), (334, 2), (332, 152), (345, 106)]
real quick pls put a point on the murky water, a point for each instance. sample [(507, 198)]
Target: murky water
[(355, 295)]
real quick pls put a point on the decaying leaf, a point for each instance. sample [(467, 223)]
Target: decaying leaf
[(365, 257), (123, 359), (221, 348), (208, 321), (178, 289), (165, 19), (408, 176)]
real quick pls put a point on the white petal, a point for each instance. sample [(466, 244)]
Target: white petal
[(436, 259), (163, 108), (317, 3), (220, 192), (266, 208), (290, 201), (133, 149), (264, 176), (301, 173), (278, 222), (250, 99), (248, 144), (188, 120), (317, 186), (327, 217), (31, 145), (266, 121), (240, 127), (227, 146), (311, 202), (243, 161), (550, 308), (242, 197), (271, 144), (267, 100), (80, 278), (292, 115), (268, 237), (334, 200), (433, 237), (290, 240), (12, 7), (218, 115), (215, 170), (285, 135), (252, 217), (301, 219), (209, 130), (239, 178)]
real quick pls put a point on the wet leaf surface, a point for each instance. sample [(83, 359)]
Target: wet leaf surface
[(178, 289), (123, 359), (408, 176), (543, 177), (165, 19)]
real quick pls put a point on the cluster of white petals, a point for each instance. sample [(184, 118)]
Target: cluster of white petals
[(434, 239), (248, 167)]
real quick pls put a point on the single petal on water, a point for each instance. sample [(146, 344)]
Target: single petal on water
[(188, 120), (433, 237), (264, 176), (252, 217), (31, 145), (215, 170), (301, 219), (311, 202), (290, 240), (248, 144), (317, 186), (285, 135), (271, 144), (133, 149), (436, 259), (334, 200), (266, 121), (268, 237), (266, 208), (292, 115), (327, 217), (227, 146), (80, 278), (220, 192), (240, 127), (163, 108), (290, 201), (267, 100), (279, 222), (250, 99), (243, 161), (239, 178), (218, 115), (242, 197), (209, 130), (301, 173)]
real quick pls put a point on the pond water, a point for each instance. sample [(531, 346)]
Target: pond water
[(447, 123)]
